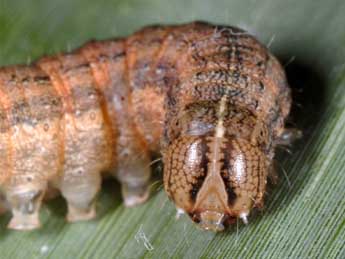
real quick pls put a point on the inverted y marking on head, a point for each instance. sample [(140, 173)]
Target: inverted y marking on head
[(213, 180), (220, 130)]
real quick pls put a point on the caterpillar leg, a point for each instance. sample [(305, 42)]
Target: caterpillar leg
[(25, 203), (81, 191), (272, 172), (135, 194), (288, 136), (135, 182), (3, 203)]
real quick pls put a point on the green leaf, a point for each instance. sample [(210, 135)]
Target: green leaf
[(303, 219)]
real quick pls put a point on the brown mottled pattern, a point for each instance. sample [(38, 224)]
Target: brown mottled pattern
[(183, 180)]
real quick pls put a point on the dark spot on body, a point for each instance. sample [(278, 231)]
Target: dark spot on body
[(261, 86), (259, 64), (25, 80), (41, 79), (118, 55)]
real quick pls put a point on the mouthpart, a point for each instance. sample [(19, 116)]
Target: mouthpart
[(212, 220)]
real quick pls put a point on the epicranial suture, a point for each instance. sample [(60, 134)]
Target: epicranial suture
[(210, 98)]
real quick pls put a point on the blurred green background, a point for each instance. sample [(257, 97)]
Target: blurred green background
[(304, 214)]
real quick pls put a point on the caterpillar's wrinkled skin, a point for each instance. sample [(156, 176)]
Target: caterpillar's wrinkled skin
[(211, 99)]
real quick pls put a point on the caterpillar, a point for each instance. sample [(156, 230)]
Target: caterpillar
[(210, 99)]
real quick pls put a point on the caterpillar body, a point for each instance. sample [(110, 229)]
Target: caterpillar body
[(210, 98)]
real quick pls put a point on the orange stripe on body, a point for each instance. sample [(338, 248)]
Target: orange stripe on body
[(50, 66), (5, 102), (100, 71), (51, 69), (100, 74)]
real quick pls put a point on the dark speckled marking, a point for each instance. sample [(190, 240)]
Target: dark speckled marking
[(204, 164), (225, 173)]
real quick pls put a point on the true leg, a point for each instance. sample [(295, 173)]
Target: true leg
[(3, 203), (288, 136)]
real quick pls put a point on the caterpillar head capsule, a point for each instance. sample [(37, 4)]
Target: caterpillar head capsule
[(215, 179)]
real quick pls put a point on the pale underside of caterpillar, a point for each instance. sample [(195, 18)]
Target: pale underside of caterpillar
[(211, 99)]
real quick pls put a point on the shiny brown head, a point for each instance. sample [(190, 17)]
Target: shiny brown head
[(216, 176)]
